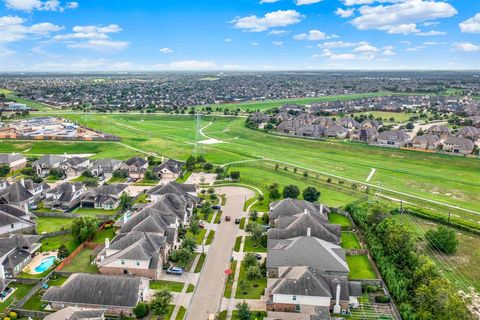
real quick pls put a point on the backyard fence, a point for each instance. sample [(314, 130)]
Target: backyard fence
[(68, 260), (19, 304)]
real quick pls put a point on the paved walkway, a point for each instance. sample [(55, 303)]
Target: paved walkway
[(209, 291)]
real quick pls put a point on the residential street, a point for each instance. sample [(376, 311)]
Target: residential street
[(209, 290)]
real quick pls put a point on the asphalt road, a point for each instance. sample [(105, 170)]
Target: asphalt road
[(209, 291)]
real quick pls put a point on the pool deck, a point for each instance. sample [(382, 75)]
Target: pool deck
[(30, 268)]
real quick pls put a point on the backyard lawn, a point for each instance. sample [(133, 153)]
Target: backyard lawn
[(50, 224), (350, 240), (336, 218), (94, 212), (360, 267), (81, 263), (20, 292), (173, 286), (249, 246), (256, 288), (53, 243), (102, 235)]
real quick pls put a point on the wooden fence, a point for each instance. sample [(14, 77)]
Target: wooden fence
[(68, 260)]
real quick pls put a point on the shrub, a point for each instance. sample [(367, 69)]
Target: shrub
[(382, 299), (141, 310)]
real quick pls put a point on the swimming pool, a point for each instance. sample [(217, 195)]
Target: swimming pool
[(45, 264)]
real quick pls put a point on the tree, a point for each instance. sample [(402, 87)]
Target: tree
[(254, 215), (201, 159), (141, 310), (120, 174), (182, 257), (443, 239), (235, 175), (208, 166), (84, 228), (4, 170), (253, 273), (243, 285), (250, 260), (62, 252), (87, 174), (190, 163), (126, 202), (274, 194), (91, 182), (56, 173), (243, 311), (194, 227), (291, 191), (161, 302), (189, 243), (311, 194), (256, 232), (149, 175)]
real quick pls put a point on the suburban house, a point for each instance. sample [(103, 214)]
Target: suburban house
[(282, 116), (64, 196), (426, 142), (393, 138), (370, 123), (106, 197), (170, 169), (289, 126), (136, 167), (336, 131), (102, 166), (305, 224), (325, 122), (305, 251), (441, 131), (303, 289), (292, 108), (348, 123), (74, 313), (474, 120), (46, 163), (15, 220), (471, 133), (259, 117), (117, 295), (311, 130), (16, 252), (18, 194), (364, 134), (180, 205), (134, 253), (189, 190), (151, 220), (75, 165), (291, 207), (14, 161), (458, 145)]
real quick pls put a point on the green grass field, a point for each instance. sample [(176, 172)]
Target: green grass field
[(360, 267), (20, 292), (82, 263), (350, 240), (336, 218), (53, 243), (173, 286), (50, 224), (9, 95), (249, 246), (256, 289)]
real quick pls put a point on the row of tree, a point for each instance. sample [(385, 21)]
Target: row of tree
[(292, 191), (412, 278)]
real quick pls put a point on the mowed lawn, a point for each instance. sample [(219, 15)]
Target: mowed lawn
[(350, 241), (360, 267), (51, 224), (81, 263)]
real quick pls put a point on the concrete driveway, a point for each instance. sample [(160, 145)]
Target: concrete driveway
[(209, 290)]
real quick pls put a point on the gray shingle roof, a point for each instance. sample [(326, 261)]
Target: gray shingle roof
[(15, 193), (290, 207), (7, 158), (97, 290)]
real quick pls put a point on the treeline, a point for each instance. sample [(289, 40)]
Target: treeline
[(412, 278)]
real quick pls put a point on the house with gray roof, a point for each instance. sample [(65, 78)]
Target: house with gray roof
[(348, 123), (259, 117), (169, 169), (64, 196), (370, 123), (136, 167), (14, 161), (302, 289), (305, 224), (458, 145), (189, 190), (392, 138), (325, 122), (289, 126), (75, 313), (48, 162), (117, 295), (336, 131), (106, 197), (469, 132), (441, 131), (426, 142), (180, 205), (102, 166), (282, 116), (134, 253), (74, 166), (16, 251), (322, 256), (364, 134), (291, 207), (311, 131), (19, 195), (15, 220)]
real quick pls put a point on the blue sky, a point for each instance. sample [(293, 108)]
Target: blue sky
[(156, 35)]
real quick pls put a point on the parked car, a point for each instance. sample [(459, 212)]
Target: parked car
[(266, 227), (228, 218), (175, 271), (201, 224), (258, 256), (216, 207), (237, 221)]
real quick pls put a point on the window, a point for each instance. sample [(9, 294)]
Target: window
[(122, 262), (12, 226), (294, 298), (138, 263)]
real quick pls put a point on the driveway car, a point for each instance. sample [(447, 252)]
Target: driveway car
[(177, 271)]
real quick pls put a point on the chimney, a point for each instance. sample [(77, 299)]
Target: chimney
[(309, 232), (73, 188), (22, 182), (107, 243), (25, 208), (321, 207), (2, 272), (125, 217), (163, 159), (336, 307), (305, 211)]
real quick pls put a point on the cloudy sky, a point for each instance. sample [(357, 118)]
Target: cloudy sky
[(124, 35)]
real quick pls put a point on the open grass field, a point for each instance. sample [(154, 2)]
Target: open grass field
[(398, 117), (11, 96)]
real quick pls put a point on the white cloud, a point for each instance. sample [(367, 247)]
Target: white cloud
[(388, 51), (31, 5), (467, 47), (345, 13), (471, 25), (401, 17), (306, 2), (312, 35), (277, 32), (166, 50), (366, 48), (254, 44), (100, 45), (193, 64), (228, 40), (277, 43), (340, 44), (280, 18), (431, 33), (13, 28), (268, 1)]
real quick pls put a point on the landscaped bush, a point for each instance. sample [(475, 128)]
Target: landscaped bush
[(382, 299)]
